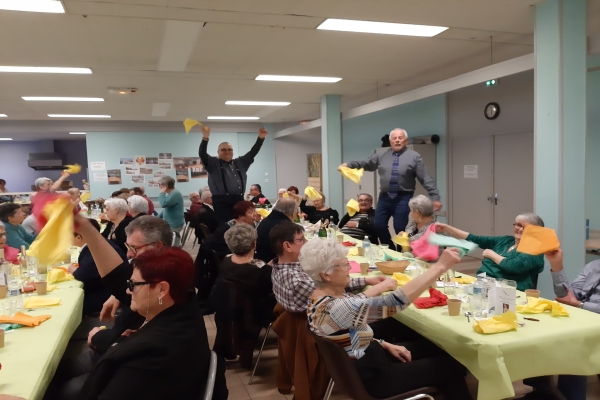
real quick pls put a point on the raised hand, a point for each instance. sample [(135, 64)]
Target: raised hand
[(262, 132), (205, 131)]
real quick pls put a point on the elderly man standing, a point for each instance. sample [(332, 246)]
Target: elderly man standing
[(171, 200), (398, 169), (227, 175)]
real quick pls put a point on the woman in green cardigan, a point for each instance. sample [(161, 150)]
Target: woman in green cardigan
[(501, 259)]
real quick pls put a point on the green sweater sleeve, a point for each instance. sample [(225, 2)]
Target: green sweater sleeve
[(168, 200), (484, 242), (523, 263)]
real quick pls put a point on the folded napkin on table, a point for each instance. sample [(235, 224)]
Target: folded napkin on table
[(538, 240), (24, 319), (39, 302), (9, 327), (497, 324), (536, 306), (58, 275), (352, 252), (463, 246), (465, 279), (353, 174), (263, 212), (354, 267), (312, 193), (349, 244), (423, 249), (387, 257), (402, 279), (189, 123), (436, 298), (352, 207)]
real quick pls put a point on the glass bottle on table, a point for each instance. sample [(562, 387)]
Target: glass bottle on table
[(322, 230), (4, 269)]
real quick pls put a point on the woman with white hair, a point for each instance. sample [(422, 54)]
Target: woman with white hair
[(420, 218), (386, 369), (500, 256), (116, 213), (138, 206), (45, 184)]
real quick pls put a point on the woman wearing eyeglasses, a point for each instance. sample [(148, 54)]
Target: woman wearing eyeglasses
[(157, 360), (501, 260), (350, 320)]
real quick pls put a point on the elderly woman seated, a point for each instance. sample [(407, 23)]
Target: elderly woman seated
[(362, 223), (12, 217), (138, 206), (386, 369), (318, 211), (500, 256), (420, 218), (116, 214)]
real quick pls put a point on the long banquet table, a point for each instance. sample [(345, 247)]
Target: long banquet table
[(30, 355), (554, 345)]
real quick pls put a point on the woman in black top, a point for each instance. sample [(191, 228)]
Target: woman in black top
[(319, 211), (116, 213)]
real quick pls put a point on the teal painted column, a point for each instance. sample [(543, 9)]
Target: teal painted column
[(560, 73), (331, 150)]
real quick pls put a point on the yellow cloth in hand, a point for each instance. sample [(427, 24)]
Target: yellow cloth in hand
[(353, 174), (500, 323), (23, 319), (402, 240), (536, 306), (41, 301), (312, 193), (85, 197), (352, 252), (73, 169), (263, 212), (189, 123), (285, 195), (58, 275), (465, 280), (538, 240), (352, 207), (50, 246), (402, 279)]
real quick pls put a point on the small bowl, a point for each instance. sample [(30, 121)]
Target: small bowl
[(389, 267)]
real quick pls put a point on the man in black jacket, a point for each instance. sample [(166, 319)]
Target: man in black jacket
[(256, 195), (284, 211), (362, 223)]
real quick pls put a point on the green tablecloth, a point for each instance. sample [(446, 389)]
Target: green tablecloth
[(30, 355), (554, 345)]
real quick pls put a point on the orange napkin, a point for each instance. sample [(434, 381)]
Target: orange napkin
[(538, 240), (24, 319)]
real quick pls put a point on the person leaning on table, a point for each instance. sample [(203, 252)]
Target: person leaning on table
[(501, 259), (386, 369)]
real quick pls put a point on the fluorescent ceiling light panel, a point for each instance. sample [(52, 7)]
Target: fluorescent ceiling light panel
[(386, 28), (76, 133), (3, 115), (178, 44), (45, 70), (217, 117), (160, 109), (257, 103), (5, 138), (293, 78), (42, 98), (77, 116), (44, 6)]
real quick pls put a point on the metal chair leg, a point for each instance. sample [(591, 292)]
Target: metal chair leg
[(329, 389), (194, 242), (260, 353)]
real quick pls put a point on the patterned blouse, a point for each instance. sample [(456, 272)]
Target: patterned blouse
[(345, 320), (415, 233)]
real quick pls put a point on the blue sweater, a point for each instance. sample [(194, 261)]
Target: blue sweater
[(172, 204), (16, 236)]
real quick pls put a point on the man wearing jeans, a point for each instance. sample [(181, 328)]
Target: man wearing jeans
[(398, 168)]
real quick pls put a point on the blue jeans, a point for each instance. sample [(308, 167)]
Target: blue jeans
[(388, 207)]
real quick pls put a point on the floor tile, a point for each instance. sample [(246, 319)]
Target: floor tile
[(238, 393)]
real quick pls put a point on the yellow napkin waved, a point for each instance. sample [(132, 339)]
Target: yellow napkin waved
[(189, 123), (55, 237), (498, 324), (465, 279), (402, 279), (58, 275), (41, 301), (263, 212), (24, 319), (538, 240), (85, 197), (353, 174), (536, 306), (352, 207), (312, 193), (73, 169), (402, 240)]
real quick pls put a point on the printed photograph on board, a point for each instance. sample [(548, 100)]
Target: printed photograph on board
[(151, 160), (165, 156), (138, 178), (182, 175), (114, 177), (126, 161), (146, 171), (140, 160), (132, 171)]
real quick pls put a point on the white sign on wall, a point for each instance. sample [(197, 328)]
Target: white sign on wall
[(471, 171), (100, 177), (98, 165)]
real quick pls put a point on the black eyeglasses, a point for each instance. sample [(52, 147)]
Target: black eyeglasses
[(518, 226), (131, 284)]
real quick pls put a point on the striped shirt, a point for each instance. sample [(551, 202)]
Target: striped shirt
[(356, 233)]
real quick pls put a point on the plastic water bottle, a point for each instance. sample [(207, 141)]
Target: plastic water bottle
[(366, 244), (4, 269), (14, 293), (479, 299)]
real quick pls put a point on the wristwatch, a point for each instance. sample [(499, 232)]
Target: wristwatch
[(581, 304)]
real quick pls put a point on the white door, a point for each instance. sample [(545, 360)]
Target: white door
[(513, 179), (472, 185)]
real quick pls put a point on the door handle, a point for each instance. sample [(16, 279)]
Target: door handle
[(495, 199)]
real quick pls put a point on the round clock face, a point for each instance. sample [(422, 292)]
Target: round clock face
[(491, 111)]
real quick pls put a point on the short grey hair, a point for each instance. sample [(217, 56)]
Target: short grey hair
[(205, 189), (318, 256), (166, 181), (286, 205), (366, 194), (138, 204), (193, 194), (530, 218), (282, 190), (399, 130), (422, 204), (40, 181), (118, 204), (241, 238), (153, 229), (73, 190), (205, 194)]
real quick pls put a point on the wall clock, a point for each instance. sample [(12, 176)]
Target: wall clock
[(491, 111)]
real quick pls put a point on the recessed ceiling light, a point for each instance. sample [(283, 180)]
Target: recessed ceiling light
[(39, 98), (293, 78), (45, 70), (386, 28), (217, 117), (77, 116), (257, 103), (5, 138), (76, 133), (3, 115), (44, 6)]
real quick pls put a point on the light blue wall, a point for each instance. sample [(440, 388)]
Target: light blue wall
[(111, 146), (263, 163), (592, 159), (361, 135)]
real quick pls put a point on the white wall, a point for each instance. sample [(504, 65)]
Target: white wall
[(290, 158)]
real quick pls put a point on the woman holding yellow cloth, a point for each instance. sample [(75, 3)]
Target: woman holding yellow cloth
[(318, 211)]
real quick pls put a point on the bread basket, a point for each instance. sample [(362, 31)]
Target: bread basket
[(389, 267)]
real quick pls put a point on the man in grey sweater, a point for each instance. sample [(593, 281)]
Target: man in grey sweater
[(398, 169)]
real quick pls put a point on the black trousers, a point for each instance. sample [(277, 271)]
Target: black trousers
[(70, 376), (223, 205)]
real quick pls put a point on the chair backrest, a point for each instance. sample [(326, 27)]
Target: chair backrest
[(212, 375), (206, 270), (174, 240), (184, 234), (205, 231)]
